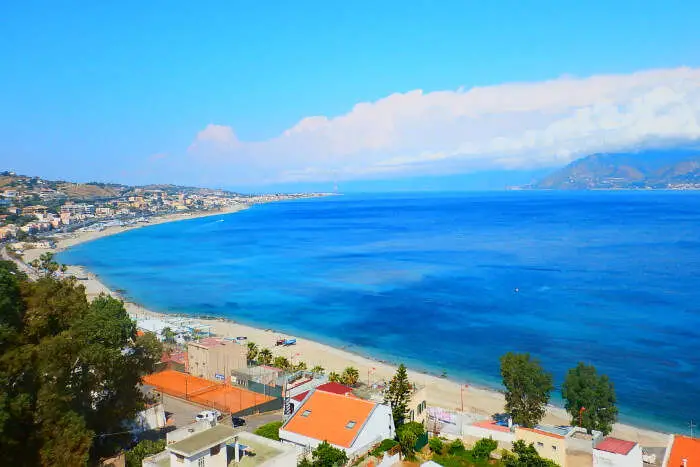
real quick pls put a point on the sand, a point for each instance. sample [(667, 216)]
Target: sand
[(440, 392)]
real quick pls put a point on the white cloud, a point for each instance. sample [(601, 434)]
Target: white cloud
[(519, 125)]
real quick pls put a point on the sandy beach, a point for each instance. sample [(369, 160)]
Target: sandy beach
[(440, 392)]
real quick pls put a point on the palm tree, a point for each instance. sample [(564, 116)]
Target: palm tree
[(300, 366), (281, 362), (333, 377), (350, 376), (318, 370), (252, 351), (168, 335), (264, 357)]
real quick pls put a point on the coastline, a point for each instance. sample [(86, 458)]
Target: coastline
[(445, 393)]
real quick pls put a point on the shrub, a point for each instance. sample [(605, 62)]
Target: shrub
[(407, 440), (455, 447), (483, 448), (145, 448), (436, 445), (411, 427), (270, 430), (384, 446)]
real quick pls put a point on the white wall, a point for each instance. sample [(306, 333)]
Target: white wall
[(479, 433), (609, 459), (380, 425), (219, 460)]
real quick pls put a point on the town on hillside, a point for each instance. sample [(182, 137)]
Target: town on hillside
[(32, 208)]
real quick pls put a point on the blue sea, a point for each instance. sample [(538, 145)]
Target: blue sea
[(450, 282)]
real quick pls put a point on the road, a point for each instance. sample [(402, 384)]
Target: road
[(20, 264), (182, 413)]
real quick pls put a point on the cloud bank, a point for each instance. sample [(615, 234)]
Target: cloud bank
[(509, 126)]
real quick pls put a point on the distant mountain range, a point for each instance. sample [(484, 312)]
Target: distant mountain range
[(674, 169)]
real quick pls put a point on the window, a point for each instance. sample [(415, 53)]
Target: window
[(540, 445), (306, 413), (351, 424), (201, 462), (554, 448)]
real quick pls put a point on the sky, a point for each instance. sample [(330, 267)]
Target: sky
[(267, 94)]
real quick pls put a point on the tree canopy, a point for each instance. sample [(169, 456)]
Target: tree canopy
[(525, 455), (398, 395), (589, 399), (326, 455), (527, 388), (69, 370)]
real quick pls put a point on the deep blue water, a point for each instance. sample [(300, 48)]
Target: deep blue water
[(609, 278)]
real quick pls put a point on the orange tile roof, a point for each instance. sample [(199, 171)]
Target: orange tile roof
[(684, 448), (329, 414), (491, 425), (542, 432)]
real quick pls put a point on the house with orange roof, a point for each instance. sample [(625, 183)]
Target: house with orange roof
[(549, 441), (683, 452), (343, 420)]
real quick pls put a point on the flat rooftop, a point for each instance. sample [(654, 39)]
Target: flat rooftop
[(263, 453), (203, 440)]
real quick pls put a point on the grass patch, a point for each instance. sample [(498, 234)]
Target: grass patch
[(270, 430)]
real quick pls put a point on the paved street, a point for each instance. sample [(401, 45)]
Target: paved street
[(183, 412)]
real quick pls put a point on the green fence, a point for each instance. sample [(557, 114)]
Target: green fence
[(421, 441), (272, 391)]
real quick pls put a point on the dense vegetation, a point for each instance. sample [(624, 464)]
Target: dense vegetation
[(69, 370), (325, 455), (588, 397)]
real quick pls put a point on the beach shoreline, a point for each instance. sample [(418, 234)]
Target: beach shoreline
[(441, 392)]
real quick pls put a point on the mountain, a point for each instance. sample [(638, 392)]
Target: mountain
[(652, 169)]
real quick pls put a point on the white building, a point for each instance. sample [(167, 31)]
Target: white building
[(344, 421), (613, 452), (196, 446)]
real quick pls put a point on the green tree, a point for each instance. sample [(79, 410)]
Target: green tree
[(334, 377), (525, 455), (398, 395), (69, 372), (483, 448), (527, 388), (265, 357), (46, 265), (350, 376), (253, 350), (326, 455), (318, 370), (281, 362), (407, 440), (589, 399), (145, 448), (168, 335), (299, 366)]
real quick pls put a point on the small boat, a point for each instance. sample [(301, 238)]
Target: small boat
[(290, 341)]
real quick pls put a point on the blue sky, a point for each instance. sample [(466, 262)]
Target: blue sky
[(203, 92)]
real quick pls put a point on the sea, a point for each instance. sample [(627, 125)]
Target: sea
[(449, 282)]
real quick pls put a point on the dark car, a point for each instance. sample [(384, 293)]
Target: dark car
[(237, 421)]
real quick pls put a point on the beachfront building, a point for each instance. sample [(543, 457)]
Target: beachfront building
[(549, 441), (343, 420), (333, 387), (682, 452), (214, 359), (614, 452), (417, 405), (196, 445)]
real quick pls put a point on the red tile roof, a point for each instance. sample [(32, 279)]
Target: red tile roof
[(616, 446), (328, 418), (335, 388), (684, 448)]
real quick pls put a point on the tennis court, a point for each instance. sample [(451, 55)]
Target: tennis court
[(219, 396)]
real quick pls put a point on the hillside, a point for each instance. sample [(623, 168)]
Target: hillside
[(657, 169)]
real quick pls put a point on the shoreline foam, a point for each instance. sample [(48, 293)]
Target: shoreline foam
[(442, 392)]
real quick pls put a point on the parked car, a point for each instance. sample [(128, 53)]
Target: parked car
[(209, 415), (237, 421)]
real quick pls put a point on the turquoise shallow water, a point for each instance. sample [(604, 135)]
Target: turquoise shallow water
[(450, 281)]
